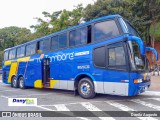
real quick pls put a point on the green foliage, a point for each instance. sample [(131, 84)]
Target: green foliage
[(141, 13), (125, 8), (11, 36), (148, 13), (58, 20), (106, 7), (155, 30)]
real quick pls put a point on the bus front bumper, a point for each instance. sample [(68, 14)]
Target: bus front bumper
[(139, 88)]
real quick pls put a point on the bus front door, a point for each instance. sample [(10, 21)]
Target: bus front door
[(46, 72)]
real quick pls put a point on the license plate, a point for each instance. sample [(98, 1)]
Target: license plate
[(146, 88)]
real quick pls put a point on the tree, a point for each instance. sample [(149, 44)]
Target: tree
[(76, 14), (141, 13), (107, 7), (148, 12), (11, 36), (58, 20)]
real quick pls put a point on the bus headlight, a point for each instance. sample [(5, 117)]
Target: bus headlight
[(137, 81)]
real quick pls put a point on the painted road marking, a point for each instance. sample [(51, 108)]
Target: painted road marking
[(8, 90), (146, 104), (120, 106), (4, 97), (44, 108), (83, 118), (158, 99), (61, 107), (31, 95), (24, 95), (91, 107), (156, 93), (126, 108)]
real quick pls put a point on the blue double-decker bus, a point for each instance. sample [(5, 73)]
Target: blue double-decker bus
[(105, 55)]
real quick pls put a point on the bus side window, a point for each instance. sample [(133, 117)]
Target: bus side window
[(20, 51), (105, 30), (12, 54), (63, 40), (116, 57), (31, 49), (28, 49), (99, 56), (6, 55), (44, 45), (78, 37), (54, 43), (72, 35), (83, 35)]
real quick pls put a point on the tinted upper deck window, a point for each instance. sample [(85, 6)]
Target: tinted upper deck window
[(21, 51), (105, 30), (78, 37), (63, 40), (45, 45), (31, 49), (5, 55), (54, 43), (12, 54)]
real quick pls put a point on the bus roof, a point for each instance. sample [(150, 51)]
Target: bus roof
[(68, 29)]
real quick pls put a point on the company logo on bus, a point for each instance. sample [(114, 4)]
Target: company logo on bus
[(63, 56)]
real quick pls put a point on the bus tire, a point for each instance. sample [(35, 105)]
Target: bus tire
[(86, 88), (21, 83), (14, 82)]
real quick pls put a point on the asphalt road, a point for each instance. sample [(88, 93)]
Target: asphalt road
[(60, 100)]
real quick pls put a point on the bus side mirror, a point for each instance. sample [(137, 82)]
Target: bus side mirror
[(139, 42), (153, 50)]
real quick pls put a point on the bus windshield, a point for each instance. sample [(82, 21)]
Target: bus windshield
[(137, 60), (129, 28)]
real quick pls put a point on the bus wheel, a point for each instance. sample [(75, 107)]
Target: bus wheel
[(86, 88), (21, 83), (14, 82)]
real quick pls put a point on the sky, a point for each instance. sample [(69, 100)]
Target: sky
[(21, 13)]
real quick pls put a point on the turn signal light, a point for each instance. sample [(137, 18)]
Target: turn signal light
[(136, 81)]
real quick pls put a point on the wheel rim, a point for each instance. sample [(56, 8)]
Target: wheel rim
[(21, 83), (85, 88), (14, 82)]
